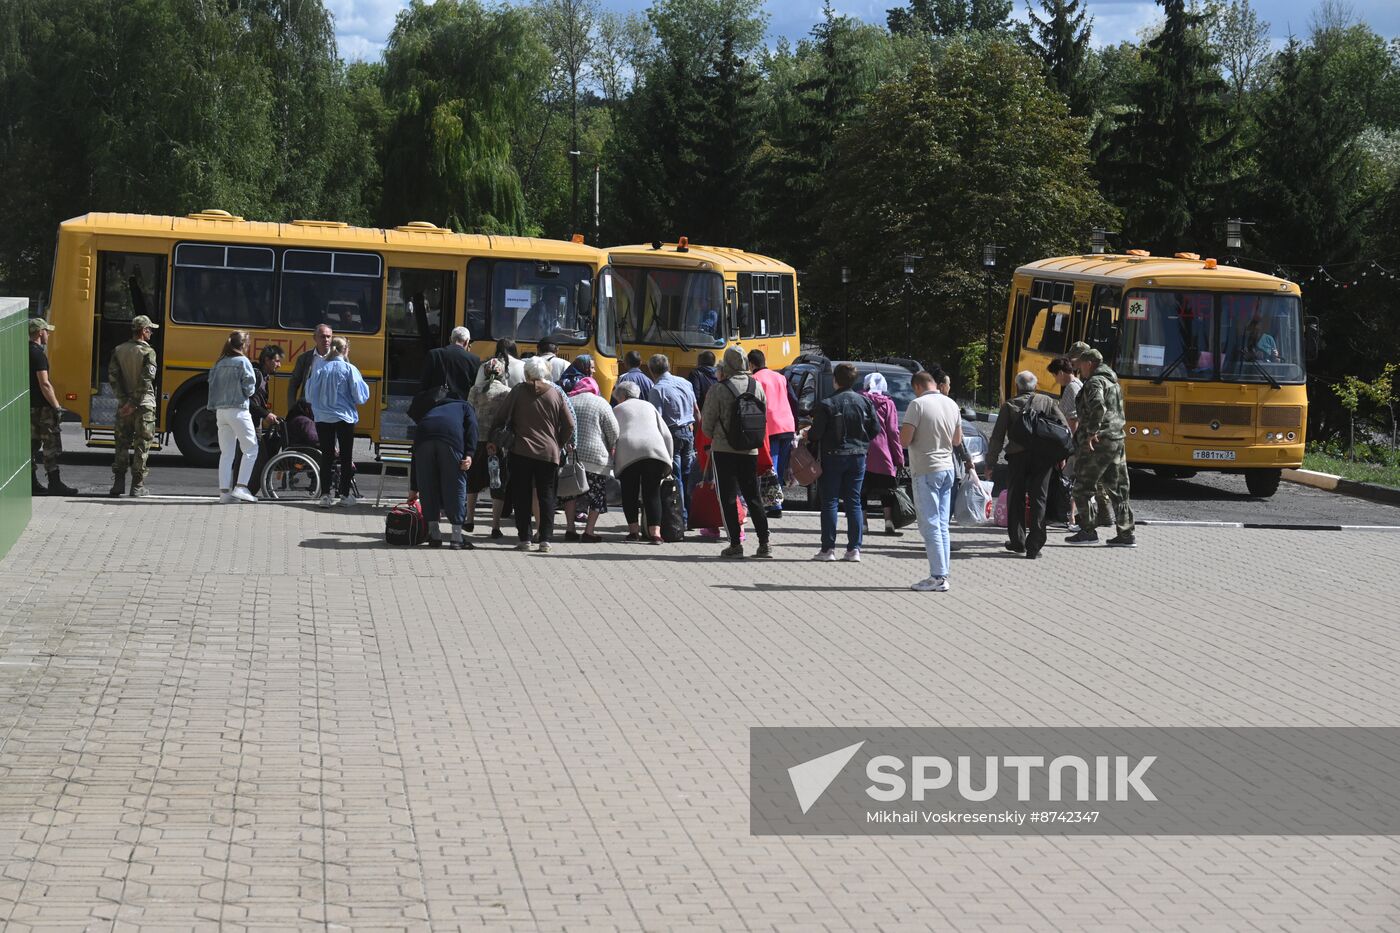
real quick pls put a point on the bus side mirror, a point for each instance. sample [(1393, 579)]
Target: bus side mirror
[(1312, 337), (583, 300)]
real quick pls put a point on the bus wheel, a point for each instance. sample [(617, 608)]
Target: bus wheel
[(196, 432), (1262, 483)]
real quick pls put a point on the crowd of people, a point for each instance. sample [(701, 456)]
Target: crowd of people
[(707, 452)]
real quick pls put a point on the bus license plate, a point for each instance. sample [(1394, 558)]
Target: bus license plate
[(1212, 455)]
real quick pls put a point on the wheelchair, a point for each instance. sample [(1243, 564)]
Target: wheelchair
[(294, 472)]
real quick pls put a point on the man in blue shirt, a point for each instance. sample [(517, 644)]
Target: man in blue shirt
[(633, 362), (675, 399)]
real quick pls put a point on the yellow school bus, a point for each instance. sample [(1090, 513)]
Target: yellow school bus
[(680, 300), (394, 294), (1211, 358)]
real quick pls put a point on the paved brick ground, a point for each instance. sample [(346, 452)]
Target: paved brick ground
[(259, 717)]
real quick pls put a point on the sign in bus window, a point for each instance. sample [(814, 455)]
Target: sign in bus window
[(533, 300)]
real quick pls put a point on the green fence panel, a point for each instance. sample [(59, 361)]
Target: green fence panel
[(15, 503)]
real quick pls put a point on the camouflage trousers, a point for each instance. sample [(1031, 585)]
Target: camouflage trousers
[(44, 437), (1105, 468), (133, 434), (1100, 514)]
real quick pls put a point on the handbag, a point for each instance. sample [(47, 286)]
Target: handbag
[(672, 525), (771, 490), (705, 509), (573, 480), (404, 525), (806, 466), (902, 511)]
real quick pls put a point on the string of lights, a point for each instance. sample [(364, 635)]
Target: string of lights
[(1323, 275)]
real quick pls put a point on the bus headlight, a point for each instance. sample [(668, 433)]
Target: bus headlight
[(1269, 436), (1156, 432), (1132, 430), (1292, 436)]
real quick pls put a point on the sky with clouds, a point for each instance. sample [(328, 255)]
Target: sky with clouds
[(362, 26)]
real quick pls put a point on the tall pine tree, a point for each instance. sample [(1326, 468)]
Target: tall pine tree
[(1167, 165), (1061, 41)]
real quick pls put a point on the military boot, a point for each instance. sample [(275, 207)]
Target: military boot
[(118, 485), (138, 488), (36, 488), (57, 486)]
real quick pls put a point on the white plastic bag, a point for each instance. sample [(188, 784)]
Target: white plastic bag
[(975, 503)]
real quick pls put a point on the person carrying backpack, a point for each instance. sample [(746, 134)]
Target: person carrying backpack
[(1028, 477), (842, 427), (735, 418)]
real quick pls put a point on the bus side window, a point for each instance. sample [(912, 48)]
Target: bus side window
[(478, 297), (1103, 321), (746, 313)]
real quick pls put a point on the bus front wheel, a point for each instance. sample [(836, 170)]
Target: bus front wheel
[(1262, 483), (196, 432)]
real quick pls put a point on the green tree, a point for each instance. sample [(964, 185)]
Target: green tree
[(1061, 41), (1241, 40), (949, 17), (1167, 166), (937, 164), (458, 78)]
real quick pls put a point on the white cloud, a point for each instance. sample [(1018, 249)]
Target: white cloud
[(362, 27)]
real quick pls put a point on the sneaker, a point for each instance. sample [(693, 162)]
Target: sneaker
[(139, 491), (523, 546), (824, 555), (1032, 555), (434, 542), (242, 494), (542, 547), (350, 499), (734, 550), (765, 551), (1083, 536), (327, 502), (1072, 527), (463, 545), (931, 585), (587, 538), (225, 498), (1014, 548), (1123, 539), (892, 531), (774, 513), (853, 555)]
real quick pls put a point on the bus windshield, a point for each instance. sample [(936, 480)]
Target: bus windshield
[(673, 307), (1210, 336), (531, 301)]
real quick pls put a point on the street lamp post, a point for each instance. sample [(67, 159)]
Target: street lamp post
[(1234, 236), (845, 313), (574, 155), (989, 262), (909, 260)]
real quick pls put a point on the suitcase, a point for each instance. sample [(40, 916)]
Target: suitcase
[(672, 520), (404, 525)]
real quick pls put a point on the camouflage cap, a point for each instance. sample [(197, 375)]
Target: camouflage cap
[(1091, 356), (1076, 350), (141, 321), (37, 324)]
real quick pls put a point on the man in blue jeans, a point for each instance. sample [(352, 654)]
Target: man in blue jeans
[(842, 427), (675, 399), (931, 428)]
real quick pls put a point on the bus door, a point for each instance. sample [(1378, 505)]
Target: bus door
[(420, 317), (1011, 342), (129, 284), (1102, 331)]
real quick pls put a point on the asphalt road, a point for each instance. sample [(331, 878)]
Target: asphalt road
[(1207, 497)]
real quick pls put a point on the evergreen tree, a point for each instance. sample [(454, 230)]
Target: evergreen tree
[(1061, 42), (1167, 166)]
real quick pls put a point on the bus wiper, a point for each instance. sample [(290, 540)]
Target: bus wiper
[(1265, 373), (1162, 376)]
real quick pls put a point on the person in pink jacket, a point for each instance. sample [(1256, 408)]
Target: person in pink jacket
[(886, 455), (782, 422)]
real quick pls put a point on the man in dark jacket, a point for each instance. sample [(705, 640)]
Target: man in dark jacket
[(703, 376), (307, 362), (443, 445), (452, 366), (842, 426), (1028, 475), (269, 361)]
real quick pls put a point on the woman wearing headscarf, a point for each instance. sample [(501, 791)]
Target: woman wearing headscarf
[(886, 454), (488, 397), (581, 368), (596, 428), (509, 355)]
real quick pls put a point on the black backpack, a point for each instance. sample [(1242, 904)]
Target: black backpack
[(1041, 437), (748, 419)]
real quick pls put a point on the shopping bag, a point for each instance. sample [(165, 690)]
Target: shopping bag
[(705, 511), (573, 481), (999, 514), (771, 490), (975, 503), (902, 509), (806, 466)]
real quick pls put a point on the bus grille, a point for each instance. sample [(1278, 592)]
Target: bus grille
[(1153, 391), (1148, 411), (1280, 416), (1237, 415)]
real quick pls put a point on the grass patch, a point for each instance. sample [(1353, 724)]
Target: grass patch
[(1385, 474)]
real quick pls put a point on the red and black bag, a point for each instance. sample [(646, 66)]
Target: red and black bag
[(405, 525)]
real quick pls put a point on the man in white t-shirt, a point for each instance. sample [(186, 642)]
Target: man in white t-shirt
[(931, 428)]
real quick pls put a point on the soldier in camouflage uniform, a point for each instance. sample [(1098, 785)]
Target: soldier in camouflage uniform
[(132, 374), (45, 416), (1102, 458), (1100, 514)]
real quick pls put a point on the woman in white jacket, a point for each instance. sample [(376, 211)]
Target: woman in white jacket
[(642, 460), (231, 384)]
